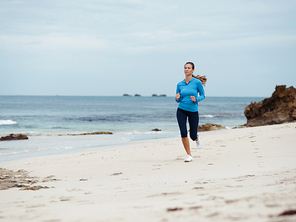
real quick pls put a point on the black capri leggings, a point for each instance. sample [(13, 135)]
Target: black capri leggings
[(193, 119)]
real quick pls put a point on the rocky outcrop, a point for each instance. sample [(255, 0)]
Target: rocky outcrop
[(279, 108), (209, 127), (93, 133), (14, 137), (156, 130)]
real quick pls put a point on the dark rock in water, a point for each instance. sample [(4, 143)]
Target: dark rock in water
[(279, 108), (154, 95), (93, 133), (14, 137), (162, 95), (126, 95), (137, 95), (209, 127), (156, 130)]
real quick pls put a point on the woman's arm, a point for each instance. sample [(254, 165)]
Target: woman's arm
[(201, 92), (178, 95)]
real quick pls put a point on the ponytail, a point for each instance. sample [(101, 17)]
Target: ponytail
[(203, 79)]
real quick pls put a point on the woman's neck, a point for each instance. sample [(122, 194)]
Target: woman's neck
[(188, 78)]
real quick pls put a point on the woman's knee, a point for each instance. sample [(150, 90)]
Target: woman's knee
[(183, 133), (193, 137)]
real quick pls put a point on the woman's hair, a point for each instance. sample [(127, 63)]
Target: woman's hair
[(203, 79)]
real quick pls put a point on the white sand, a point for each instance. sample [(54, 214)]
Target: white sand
[(239, 175)]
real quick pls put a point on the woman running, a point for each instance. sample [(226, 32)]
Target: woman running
[(189, 92)]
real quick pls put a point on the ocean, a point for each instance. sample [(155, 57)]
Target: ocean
[(48, 121)]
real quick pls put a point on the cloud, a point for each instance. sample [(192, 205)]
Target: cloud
[(227, 38), (52, 41), (132, 24)]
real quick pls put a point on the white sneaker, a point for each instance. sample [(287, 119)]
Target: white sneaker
[(198, 144), (188, 159)]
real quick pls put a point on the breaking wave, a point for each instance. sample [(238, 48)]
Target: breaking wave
[(7, 122)]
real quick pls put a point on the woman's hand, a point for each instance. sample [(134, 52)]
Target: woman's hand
[(178, 96), (193, 98)]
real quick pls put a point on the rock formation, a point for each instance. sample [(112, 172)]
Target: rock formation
[(14, 137), (209, 127), (156, 129), (93, 133), (279, 108)]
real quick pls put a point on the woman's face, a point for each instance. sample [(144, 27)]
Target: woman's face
[(188, 70)]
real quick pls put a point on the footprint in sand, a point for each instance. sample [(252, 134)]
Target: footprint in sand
[(65, 198), (196, 156), (50, 179), (180, 158), (116, 174), (36, 206)]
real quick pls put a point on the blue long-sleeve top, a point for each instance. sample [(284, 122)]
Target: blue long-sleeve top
[(193, 88)]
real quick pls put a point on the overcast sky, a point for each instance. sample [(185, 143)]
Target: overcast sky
[(111, 47)]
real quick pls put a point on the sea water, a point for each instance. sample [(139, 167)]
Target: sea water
[(48, 121)]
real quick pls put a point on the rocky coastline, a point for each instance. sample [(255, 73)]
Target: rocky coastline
[(277, 109)]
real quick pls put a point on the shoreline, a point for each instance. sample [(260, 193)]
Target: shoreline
[(72, 144), (56, 144), (244, 174)]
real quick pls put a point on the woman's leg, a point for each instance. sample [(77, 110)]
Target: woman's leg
[(182, 122), (193, 123), (186, 145)]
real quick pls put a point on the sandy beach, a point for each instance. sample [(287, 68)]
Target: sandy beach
[(245, 174)]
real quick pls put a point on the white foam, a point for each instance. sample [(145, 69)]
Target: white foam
[(207, 116), (7, 122)]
